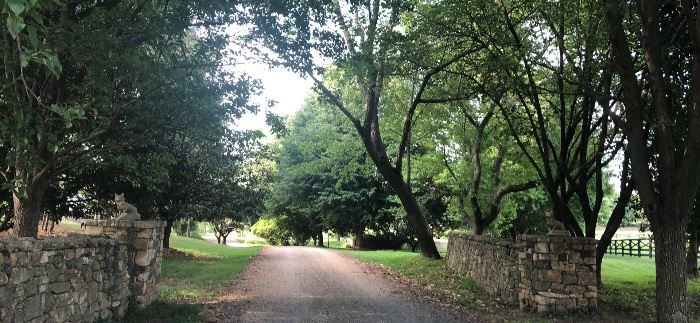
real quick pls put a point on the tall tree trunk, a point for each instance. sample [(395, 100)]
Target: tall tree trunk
[(27, 209), (224, 239), (376, 149), (166, 233), (359, 241), (416, 220), (562, 212), (320, 239), (671, 278), (189, 224), (691, 259), (45, 223), (479, 226), (590, 229)]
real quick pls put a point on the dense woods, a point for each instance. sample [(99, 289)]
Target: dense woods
[(425, 117)]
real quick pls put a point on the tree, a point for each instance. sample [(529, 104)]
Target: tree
[(360, 38), (237, 190), (475, 154), (656, 48), (78, 71), (326, 180), (546, 70), (224, 227)]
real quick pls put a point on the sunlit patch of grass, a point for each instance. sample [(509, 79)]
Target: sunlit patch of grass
[(187, 282), (197, 277)]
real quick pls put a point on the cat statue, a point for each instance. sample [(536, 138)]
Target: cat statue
[(556, 228), (125, 211)]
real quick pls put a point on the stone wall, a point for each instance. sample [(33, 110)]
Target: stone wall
[(539, 273), (70, 279), (559, 274), (492, 263), (145, 252)]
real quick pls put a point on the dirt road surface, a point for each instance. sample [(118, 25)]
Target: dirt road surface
[(304, 284)]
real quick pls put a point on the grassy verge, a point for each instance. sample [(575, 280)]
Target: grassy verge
[(629, 285), (627, 294), (188, 281), (449, 286), (252, 242)]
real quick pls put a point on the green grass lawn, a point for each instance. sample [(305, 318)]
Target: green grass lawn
[(187, 282), (628, 286), (252, 242)]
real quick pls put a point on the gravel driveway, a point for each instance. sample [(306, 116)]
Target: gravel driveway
[(304, 284)]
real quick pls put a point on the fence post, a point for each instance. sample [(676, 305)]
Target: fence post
[(651, 247), (639, 247)]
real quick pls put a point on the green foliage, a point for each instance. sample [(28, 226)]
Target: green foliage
[(325, 181), (270, 230), (112, 96), (522, 213), (180, 228)]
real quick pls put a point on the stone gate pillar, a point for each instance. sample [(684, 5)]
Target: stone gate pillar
[(558, 274), (145, 252)]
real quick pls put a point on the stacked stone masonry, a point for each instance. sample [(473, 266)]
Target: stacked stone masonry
[(490, 262), (145, 248), (554, 273), (69, 279), (559, 274)]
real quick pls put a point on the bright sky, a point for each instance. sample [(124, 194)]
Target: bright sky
[(281, 85)]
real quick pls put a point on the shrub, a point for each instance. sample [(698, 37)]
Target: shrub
[(270, 230)]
